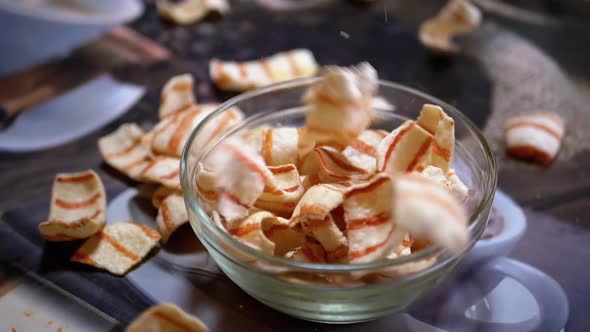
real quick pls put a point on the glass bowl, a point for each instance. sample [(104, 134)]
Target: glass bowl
[(338, 293)]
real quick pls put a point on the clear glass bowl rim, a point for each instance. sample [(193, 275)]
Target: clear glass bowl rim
[(476, 224)]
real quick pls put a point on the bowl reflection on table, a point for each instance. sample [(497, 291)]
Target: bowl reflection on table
[(338, 293)]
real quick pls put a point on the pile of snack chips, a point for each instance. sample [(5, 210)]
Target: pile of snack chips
[(335, 191)]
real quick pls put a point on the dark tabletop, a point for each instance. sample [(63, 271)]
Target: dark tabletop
[(556, 199)]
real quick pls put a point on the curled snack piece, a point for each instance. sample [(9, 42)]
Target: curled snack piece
[(282, 190), (125, 150), (415, 145), (171, 215), (362, 152), (118, 247), (340, 104), (190, 11), (250, 232), (372, 233), (457, 17), (163, 170), (535, 136), (240, 175), (242, 76), (166, 317), (279, 146), (177, 95), (442, 147), (78, 207), (426, 209), (404, 149)]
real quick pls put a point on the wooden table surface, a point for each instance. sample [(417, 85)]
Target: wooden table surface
[(556, 199)]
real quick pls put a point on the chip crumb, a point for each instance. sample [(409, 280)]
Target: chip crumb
[(49, 323), (28, 313)]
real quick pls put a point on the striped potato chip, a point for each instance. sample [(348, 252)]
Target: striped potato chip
[(427, 210), (125, 150), (166, 317), (282, 190), (171, 215), (340, 105), (163, 170), (535, 136), (118, 247), (404, 149), (78, 207), (372, 232), (240, 175), (362, 152), (279, 146), (249, 231), (190, 11), (206, 184), (170, 134), (177, 95), (242, 76), (435, 121)]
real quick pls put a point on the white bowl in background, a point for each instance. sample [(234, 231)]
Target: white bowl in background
[(32, 31), (502, 243)]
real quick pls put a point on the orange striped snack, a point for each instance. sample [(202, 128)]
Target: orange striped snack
[(404, 149), (427, 210), (457, 17), (279, 146), (242, 76), (160, 194), (190, 11), (331, 238), (166, 317), (78, 207), (535, 137), (240, 176), (171, 134), (362, 152), (282, 190), (206, 184), (177, 95), (370, 226), (118, 247), (249, 231), (450, 181), (442, 127), (163, 170), (334, 166), (171, 215), (340, 104), (318, 201), (125, 150)]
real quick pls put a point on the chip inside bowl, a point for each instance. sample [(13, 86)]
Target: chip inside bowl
[(78, 207)]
